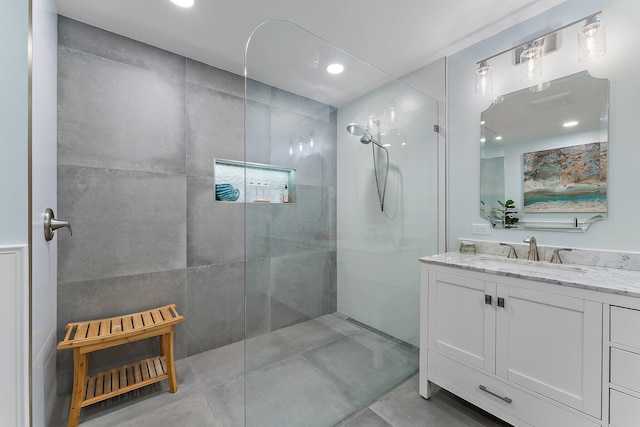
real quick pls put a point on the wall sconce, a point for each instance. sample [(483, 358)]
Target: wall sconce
[(484, 84), (531, 61), (591, 39)]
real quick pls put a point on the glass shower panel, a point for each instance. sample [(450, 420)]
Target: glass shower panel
[(331, 273)]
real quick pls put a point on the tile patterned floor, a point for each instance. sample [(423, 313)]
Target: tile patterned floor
[(316, 373)]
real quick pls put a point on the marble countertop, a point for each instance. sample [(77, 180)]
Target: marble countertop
[(602, 279)]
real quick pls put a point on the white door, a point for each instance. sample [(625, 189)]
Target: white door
[(551, 344), (462, 318), (44, 195)]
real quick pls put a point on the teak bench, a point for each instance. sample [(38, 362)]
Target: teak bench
[(93, 335)]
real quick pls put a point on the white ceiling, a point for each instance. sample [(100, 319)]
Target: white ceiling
[(395, 36)]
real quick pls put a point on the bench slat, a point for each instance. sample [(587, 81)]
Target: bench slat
[(81, 331), (137, 321), (147, 319)]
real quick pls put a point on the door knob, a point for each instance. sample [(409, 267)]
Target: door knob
[(51, 224)]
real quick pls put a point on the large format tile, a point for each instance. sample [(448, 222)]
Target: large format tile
[(193, 411), (303, 287), (115, 115), (294, 393), (123, 223), (404, 407), (366, 418), (214, 78), (215, 306), (305, 106), (97, 299), (215, 128), (265, 350), (227, 402), (364, 365), (219, 366), (215, 231), (257, 297), (86, 38), (257, 132), (308, 335)]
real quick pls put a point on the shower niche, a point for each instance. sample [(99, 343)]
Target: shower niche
[(244, 182)]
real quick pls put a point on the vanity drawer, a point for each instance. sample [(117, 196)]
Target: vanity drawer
[(624, 410), (625, 369), (465, 382), (625, 326)]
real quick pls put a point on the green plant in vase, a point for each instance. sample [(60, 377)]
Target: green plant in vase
[(508, 214)]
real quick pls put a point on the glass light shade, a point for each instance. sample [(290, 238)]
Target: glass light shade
[(531, 62), (591, 40), (484, 84)]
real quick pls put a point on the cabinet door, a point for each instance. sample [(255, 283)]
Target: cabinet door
[(461, 319), (551, 344)]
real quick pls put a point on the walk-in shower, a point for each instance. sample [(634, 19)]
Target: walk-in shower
[(331, 276), (366, 138)]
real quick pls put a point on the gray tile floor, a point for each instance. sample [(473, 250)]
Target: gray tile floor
[(323, 372)]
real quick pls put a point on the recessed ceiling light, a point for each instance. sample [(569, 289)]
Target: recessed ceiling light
[(183, 3), (498, 138), (335, 68), (481, 122), (482, 139), (570, 124)]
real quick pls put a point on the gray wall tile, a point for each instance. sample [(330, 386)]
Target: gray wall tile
[(215, 306), (115, 115), (257, 297), (303, 286), (215, 128), (83, 37), (215, 231), (301, 105), (124, 223), (258, 129), (114, 296), (214, 78)]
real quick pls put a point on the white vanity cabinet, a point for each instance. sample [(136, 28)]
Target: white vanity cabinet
[(529, 354), (624, 362)]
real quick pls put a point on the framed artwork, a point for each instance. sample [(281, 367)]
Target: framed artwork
[(567, 179)]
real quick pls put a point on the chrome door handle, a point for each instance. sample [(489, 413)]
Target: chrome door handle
[(51, 224), (505, 398)]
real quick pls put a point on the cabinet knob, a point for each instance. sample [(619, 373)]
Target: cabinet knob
[(487, 299), (500, 302)]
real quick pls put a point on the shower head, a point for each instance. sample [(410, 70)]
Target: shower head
[(356, 129)]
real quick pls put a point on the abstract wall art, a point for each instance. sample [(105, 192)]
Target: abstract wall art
[(567, 179)]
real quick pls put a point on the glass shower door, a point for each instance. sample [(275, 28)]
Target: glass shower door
[(331, 274)]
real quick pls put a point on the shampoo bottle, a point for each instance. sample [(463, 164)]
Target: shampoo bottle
[(285, 194)]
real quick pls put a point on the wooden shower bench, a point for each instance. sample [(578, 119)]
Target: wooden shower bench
[(93, 335)]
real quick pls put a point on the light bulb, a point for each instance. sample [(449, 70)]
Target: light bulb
[(531, 61), (591, 40), (483, 79)]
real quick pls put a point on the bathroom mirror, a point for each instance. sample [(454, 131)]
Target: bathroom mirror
[(546, 151)]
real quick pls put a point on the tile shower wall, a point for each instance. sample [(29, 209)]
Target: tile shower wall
[(138, 128)]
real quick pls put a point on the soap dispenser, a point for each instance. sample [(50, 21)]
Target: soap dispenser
[(285, 194)]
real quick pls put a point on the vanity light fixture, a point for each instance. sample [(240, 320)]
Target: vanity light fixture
[(483, 79), (591, 39), (528, 56), (531, 61), (335, 68), (183, 3)]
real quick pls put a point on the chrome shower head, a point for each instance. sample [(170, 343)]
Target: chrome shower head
[(356, 129)]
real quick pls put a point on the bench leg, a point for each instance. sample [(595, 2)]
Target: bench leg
[(80, 365), (166, 350)]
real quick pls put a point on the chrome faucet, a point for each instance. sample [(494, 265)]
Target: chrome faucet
[(533, 248)]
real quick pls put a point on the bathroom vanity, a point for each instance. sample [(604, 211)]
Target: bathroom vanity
[(534, 343)]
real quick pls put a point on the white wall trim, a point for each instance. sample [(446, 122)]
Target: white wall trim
[(14, 274)]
